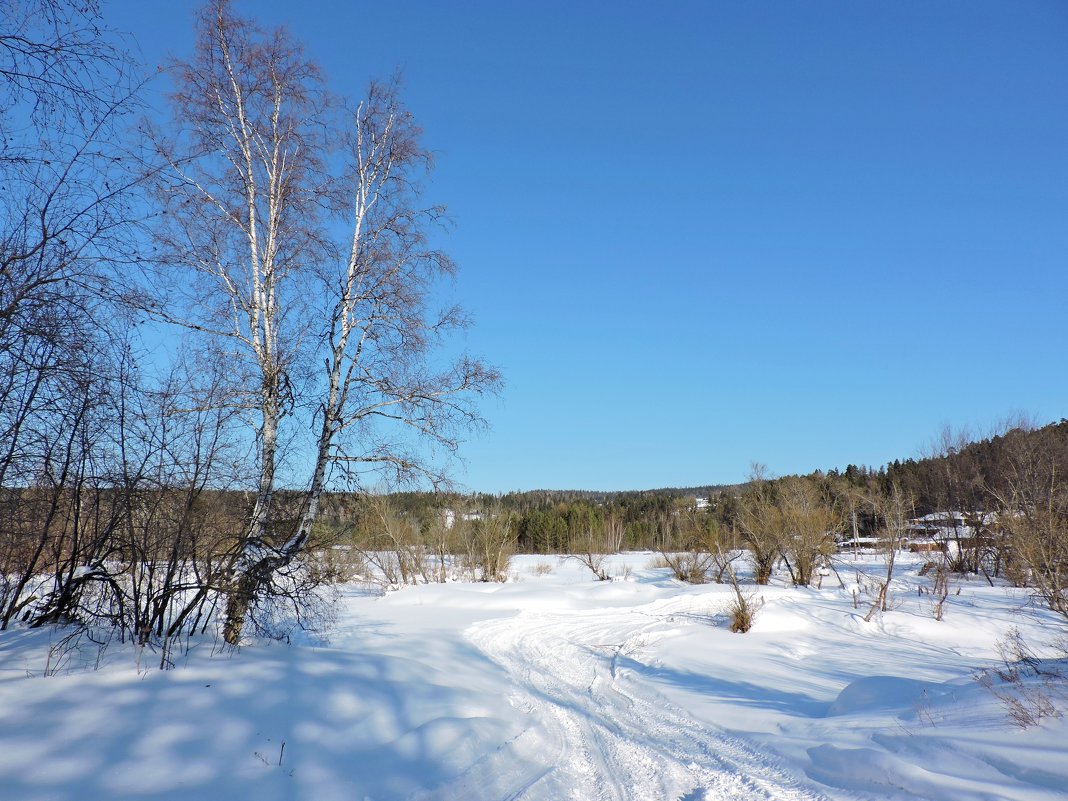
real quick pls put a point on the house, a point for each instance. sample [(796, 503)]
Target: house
[(937, 531)]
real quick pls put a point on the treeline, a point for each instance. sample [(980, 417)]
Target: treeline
[(546, 521), (982, 474), (997, 507), (122, 527)]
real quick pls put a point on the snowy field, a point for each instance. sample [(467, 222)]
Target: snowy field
[(554, 686)]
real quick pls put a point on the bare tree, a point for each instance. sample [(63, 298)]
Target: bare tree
[(1033, 514), (65, 89), (706, 549), (488, 543), (809, 523), (759, 523), (893, 509), (324, 335), (957, 488), (394, 545), (56, 59), (590, 547)]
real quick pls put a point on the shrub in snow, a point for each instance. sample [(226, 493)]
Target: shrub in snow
[(742, 609), (1028, 687), (488, 545)]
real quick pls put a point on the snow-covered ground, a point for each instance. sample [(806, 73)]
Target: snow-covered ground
[(553, 686)]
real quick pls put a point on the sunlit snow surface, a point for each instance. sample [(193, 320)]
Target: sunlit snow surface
[(553, 686)]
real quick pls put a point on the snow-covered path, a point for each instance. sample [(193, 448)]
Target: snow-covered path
[(607, 734)]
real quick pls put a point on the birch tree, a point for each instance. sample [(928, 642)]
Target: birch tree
[(326, 333)]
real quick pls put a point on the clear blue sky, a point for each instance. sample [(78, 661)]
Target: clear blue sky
[(698, 234)]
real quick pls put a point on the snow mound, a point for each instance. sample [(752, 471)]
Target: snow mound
[(873, 693), (866, 770)]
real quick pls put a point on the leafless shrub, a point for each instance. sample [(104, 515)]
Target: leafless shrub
[(940, 574), (396, 550), (689, 566), (743, 607), (940, 591), (591, 549), (61, 651), (893, 509), (440, 540), (808, 524), (338, 564), (488, 544), (1029, 688), (759, 523), (708, 554), (1033, 519)]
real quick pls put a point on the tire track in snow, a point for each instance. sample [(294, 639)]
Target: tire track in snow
[(610, 737)]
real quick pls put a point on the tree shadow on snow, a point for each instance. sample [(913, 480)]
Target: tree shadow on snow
[(735, 691), (266, 723)]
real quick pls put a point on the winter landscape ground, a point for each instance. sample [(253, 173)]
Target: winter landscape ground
[(554, 686)]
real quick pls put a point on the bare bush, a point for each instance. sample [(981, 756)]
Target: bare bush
[(893, 509), (759, 523), (65, 225), (1029, 688), (591, 548), (809, 523), (488, 544), (395, 548), (1033, 519), (940, 591), (742, 609), (709, 550), (440, 539), (338, 564), (744, 605), (693, 567)]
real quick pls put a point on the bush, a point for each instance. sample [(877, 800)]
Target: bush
[(488, 545), (1028, 687), (742, 609)]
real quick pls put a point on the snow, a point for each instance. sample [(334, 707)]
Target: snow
[(551, 686)]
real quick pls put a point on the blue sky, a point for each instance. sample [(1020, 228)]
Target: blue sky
[(698, 234)]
